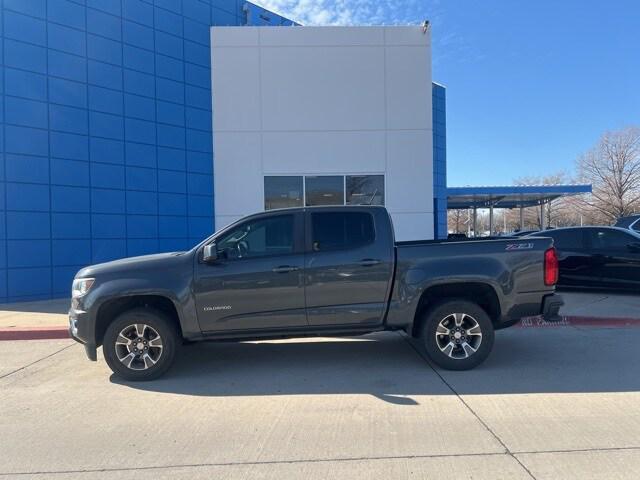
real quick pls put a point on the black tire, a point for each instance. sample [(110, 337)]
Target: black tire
[(460, 357), (158, 359)]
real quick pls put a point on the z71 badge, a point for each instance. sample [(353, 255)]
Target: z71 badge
[(519, 246)]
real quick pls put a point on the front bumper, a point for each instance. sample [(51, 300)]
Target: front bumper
[(78, 323), (551, 307)]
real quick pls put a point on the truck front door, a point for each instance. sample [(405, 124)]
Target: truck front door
[(257, 280), (348, 267)]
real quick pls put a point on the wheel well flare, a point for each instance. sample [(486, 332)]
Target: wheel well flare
[(481, 294), (114, 307)]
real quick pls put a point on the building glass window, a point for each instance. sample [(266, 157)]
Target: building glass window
[(282, 192), (364, 189), (296, 191), (325, 190)]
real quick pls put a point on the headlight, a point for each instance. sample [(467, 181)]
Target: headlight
[(81, 286)]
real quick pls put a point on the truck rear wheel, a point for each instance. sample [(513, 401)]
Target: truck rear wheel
[(140, 344), (457, 335)]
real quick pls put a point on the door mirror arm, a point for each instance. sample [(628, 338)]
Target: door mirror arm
[(209, 253)]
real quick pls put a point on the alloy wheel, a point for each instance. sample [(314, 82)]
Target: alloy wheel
[(139, 346), (458, 335)]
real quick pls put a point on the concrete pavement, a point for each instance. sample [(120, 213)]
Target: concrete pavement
[(34, 320), (600, 304), (44, 313), (549, 403)]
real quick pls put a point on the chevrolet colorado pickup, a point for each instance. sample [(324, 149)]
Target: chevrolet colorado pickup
[(315, 271)]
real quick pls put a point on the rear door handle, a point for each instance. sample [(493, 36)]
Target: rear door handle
[(285, 269), (369, 262)]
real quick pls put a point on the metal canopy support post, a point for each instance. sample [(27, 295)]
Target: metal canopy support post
[(542, 215), (475, 221), (521, 218), (491, 219)]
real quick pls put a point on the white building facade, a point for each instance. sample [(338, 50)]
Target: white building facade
[(323, 116)]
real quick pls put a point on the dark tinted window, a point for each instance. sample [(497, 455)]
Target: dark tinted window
[(605, 239), (282, 192), (258, 238), (327, 190), (565, 239), (335, 231)]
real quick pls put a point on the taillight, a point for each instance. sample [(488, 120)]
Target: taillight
[(550, 267)]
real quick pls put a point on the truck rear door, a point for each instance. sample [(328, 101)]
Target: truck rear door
[(348, 266)]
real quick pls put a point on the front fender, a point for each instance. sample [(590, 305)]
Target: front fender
[(105, 291)]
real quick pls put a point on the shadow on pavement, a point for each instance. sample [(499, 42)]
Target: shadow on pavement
[(554, 360), (58, 305)]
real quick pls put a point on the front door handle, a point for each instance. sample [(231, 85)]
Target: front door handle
[(285, 269), (369, 262)]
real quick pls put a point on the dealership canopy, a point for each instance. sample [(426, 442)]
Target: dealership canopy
[(511, 196)]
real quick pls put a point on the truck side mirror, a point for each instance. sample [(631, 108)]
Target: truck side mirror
[(209, 253)]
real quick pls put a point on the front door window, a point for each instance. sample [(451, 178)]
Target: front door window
[(258, 238)]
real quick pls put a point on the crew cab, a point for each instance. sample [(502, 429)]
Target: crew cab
[(315, 271)]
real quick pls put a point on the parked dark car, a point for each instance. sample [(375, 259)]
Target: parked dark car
[(325, 271), (632, 222), (457, 236), (597, 257), (522, 233)]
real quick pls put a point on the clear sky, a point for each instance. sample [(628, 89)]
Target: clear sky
[(530, 84)]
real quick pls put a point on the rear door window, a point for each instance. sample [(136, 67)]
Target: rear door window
[(571, 239), (341, 230), (606, 239)]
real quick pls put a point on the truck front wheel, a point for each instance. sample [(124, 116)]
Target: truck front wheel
[(140, 344), (457, 335)]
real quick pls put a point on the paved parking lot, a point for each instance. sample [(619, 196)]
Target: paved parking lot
[(549, 403)]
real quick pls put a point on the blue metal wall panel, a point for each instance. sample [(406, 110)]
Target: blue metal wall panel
[(106, 112), (439, 161)]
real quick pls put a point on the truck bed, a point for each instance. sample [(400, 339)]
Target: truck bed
[(512, 267)]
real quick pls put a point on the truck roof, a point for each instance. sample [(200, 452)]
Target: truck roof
[(320, 207)]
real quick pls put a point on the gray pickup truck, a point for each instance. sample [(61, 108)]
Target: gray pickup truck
[(318, 271)]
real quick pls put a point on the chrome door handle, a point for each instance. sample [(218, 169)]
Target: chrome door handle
[(285, 269), (369, 262)]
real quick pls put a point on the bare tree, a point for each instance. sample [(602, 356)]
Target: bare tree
[(557, 213), (456, 221), (613, 168)]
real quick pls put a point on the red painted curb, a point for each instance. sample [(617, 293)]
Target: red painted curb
[(34, 333), (577, 321)]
